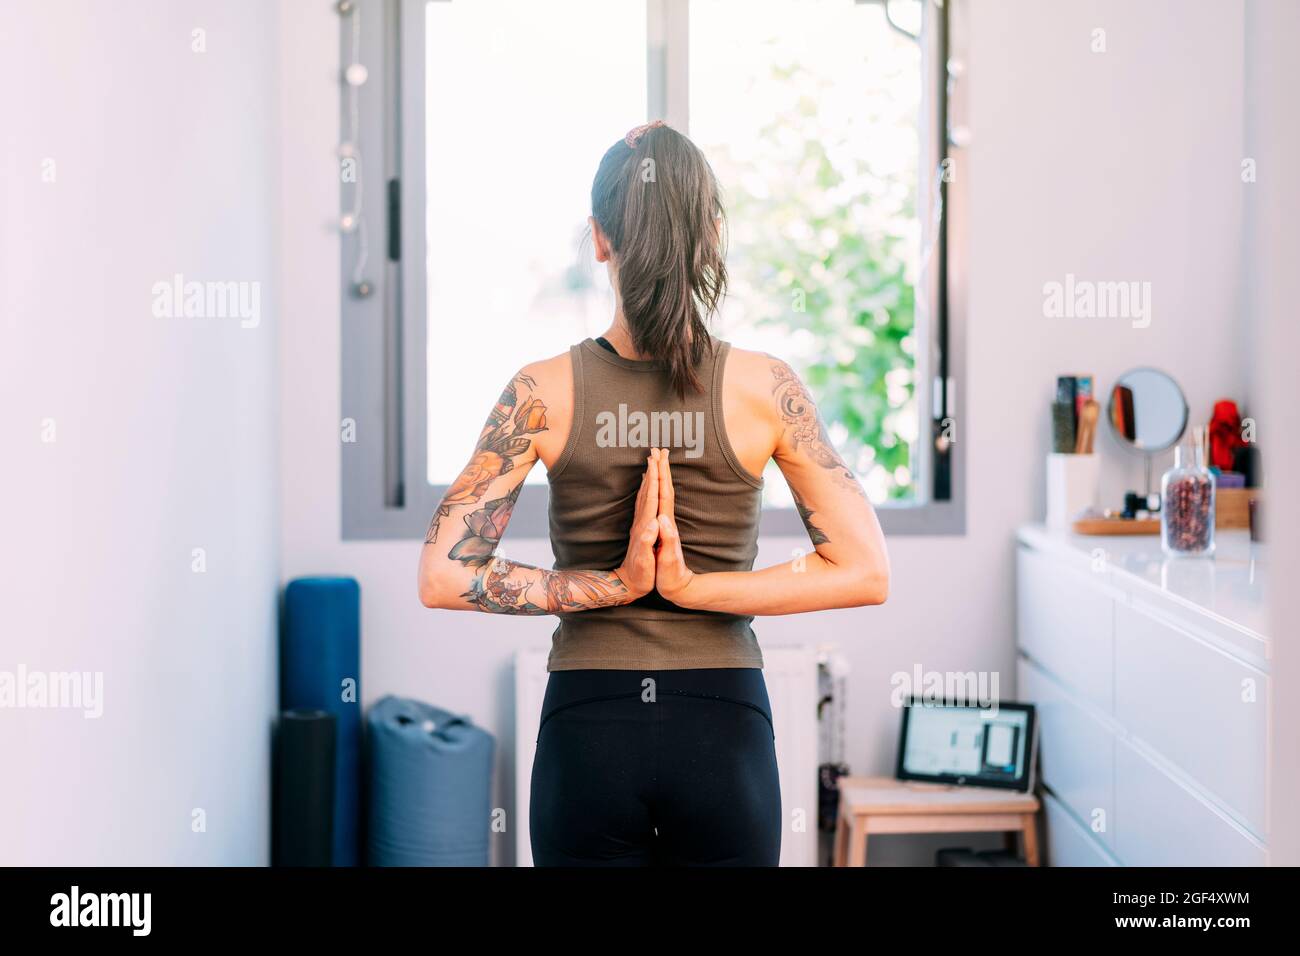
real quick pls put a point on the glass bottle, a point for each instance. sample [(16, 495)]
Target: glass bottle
[(1187, 502)]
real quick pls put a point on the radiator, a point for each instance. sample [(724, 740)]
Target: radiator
[(791, 676)]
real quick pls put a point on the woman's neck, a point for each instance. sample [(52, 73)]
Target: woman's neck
[(618, 336)]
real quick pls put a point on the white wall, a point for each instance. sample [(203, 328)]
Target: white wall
[(1121, 165), (165, 430), (1270, 254), (1114, 166)]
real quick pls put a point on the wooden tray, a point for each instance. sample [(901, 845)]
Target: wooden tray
[(1231, 510), (1117, 526)]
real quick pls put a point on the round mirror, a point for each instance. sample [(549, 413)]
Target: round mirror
[(1147, 410)]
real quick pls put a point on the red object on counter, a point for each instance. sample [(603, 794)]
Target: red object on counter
[(1225, 434)]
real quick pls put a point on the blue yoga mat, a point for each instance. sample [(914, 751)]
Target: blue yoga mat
[(430, 778), (320, 664)]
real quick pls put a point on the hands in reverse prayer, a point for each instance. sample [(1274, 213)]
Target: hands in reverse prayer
[(654, 551)]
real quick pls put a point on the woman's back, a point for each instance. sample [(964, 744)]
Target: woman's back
[(621, 408)]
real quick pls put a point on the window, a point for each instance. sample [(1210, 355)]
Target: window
[(822, 119), (509, 172)]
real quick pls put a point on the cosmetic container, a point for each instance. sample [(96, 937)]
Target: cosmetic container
[(1187, 510)]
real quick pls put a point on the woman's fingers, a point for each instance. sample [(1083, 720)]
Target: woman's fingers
[(638, 568), (667, 529), (645, 520), (644, 524), (667, 495), (643, 492), (670, 565), (652, 485), (672, 576)]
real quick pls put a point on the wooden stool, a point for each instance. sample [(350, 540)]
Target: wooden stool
[(885, 805)]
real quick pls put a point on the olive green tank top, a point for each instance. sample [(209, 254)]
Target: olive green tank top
[(621, 409)]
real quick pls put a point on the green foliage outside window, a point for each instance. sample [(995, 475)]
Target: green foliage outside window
[(824, 246)]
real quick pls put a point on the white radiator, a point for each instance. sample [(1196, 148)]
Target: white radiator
[(791, 676)]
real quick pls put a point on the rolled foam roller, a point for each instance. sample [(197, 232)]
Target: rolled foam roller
[(304, 789), (320, 664), (430, 786)]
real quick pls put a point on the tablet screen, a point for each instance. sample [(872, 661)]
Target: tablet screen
[(971, 745)]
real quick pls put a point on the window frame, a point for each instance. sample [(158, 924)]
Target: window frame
[(384, 398)]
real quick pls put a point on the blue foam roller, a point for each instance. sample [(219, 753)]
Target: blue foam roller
[(320, 665), (430, 778)]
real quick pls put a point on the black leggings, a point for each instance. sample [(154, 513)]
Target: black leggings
[(645, 768)]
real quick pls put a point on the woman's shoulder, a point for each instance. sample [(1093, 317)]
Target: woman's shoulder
[(548, 386), (754, 362), (550, 382), (759, 374), (753, 380), (552, 372)]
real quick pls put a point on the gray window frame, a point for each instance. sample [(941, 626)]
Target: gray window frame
[(384, 414)]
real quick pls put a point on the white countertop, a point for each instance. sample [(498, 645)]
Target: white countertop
[(1230, 587)]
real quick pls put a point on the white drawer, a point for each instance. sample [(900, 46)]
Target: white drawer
[(1160, 822), (1065, 620), (1192, 703), (1068, 842), (1076, 752)]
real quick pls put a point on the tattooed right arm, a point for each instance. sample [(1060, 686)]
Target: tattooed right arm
[(803, 427), (848, 566), (815, 534)]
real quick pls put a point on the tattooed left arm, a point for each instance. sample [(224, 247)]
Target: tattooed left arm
[(459, 565), (503, 586)]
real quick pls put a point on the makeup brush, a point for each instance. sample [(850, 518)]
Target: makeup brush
[(1088, 415)]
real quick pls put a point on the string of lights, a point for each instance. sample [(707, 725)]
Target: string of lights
[(349, 151)]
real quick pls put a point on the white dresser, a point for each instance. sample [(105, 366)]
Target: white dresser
[(1151, 682)]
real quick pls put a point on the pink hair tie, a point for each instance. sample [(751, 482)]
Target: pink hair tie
[(634, 135)]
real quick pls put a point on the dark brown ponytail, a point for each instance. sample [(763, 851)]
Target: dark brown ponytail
[(658, 204)]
